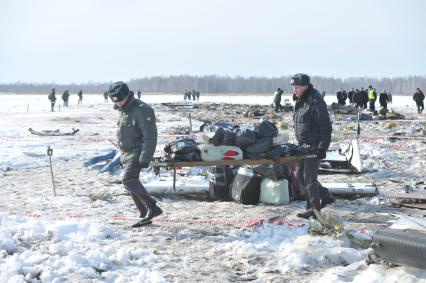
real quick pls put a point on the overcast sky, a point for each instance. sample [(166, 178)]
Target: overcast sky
[(67, 41)]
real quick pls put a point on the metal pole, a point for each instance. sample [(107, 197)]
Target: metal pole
[(50, 153), (358, 130), (190, 124), (174, 178)]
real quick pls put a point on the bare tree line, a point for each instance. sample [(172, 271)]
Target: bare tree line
[(227, 84)]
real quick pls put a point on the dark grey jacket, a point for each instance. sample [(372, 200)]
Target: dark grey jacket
[(311, 120), (137, 131)]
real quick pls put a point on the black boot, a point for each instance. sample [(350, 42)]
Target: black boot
[(153, 211), (328, 200), (141, 223), (306, 214)]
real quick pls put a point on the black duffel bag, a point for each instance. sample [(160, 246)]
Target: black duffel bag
[(216, 135), (266, 129), (244, 137), (180, 146)]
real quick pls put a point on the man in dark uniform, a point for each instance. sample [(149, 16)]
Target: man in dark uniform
[(139, 94), (419, 97), (351, 94), (52, 98), (357, 98), (198, 95), (106, 97), (340, 97), (80, 97), (277, 99), (137, 139), (313, 131), (65, 97), (364, 98), (383, 99)]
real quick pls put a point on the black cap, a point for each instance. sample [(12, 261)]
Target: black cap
[(300, 79), (118, 91)]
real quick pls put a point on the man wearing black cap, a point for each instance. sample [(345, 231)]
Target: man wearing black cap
[(313, 131), (137, 139)]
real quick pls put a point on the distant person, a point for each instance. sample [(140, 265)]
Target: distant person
[(383, 99), (351, 94), (389, 97), (357, 98), (139, 94), (137, 136), (52, 98), (313, 129), (80, 97), (65, 97), (323, 94), (364, 98), (185, 94), (372, 97), (106, 97), (277, 100), (340, 97), (194, 95), (419, 97), (345, 96), (198, 95)]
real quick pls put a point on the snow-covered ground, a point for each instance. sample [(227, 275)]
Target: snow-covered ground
[(75, 238)]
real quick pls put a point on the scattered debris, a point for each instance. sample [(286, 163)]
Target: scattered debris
[(53, 133)]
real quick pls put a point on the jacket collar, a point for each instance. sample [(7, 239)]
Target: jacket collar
[(130, 103)]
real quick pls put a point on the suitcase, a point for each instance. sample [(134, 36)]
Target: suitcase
[(274, 192), (221, 152), (220, 180), (245, 188)]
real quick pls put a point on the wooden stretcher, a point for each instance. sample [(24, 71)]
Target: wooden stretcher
[(179, 164)]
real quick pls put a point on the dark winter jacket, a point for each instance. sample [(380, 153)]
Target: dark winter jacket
[(340, 97), (364, 97), (137, 131), (351, 94), (418, 97), (311, 120), (52, 97), (383, 98)]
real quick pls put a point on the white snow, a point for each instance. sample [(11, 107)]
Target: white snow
[(72, 239)]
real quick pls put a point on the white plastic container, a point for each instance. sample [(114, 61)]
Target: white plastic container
[(274, 192), (210, 152)]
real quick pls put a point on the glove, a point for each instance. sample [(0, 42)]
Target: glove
[(321, 154), (144, 165)]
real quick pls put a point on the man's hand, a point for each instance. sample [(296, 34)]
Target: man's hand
[(321, 154)]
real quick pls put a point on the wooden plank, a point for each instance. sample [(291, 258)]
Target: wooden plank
[(402, 202), (231, 162), (413, 195)]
